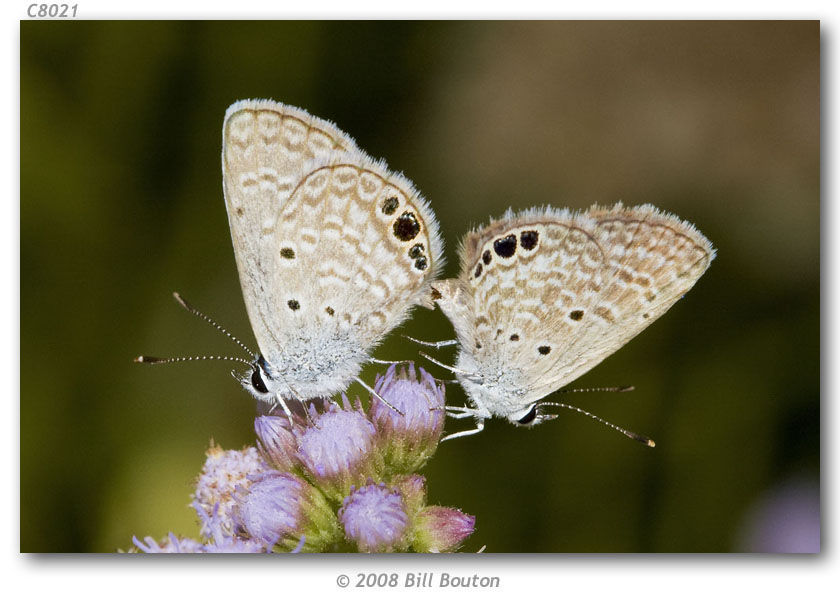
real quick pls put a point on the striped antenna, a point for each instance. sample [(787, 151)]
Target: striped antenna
[(618, 388), (153, 360), (633, 436), (190, 308)]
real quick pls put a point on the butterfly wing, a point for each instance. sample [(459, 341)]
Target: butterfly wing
[(314, 223), (365, 247), (554, 293), (265, 146)]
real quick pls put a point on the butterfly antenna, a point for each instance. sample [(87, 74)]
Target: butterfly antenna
[(153, 360), (633, 436), (190, 308), (618, 388)]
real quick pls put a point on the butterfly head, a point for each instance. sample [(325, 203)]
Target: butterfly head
[(258, 381), (529, 416)]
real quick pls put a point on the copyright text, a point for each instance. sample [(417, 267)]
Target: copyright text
[(428, 579)]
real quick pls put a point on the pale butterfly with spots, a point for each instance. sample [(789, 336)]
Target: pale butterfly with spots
[(332, 248), (544, 295)]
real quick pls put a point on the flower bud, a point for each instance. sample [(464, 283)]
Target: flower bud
[(338, 451), (441, 529), (408, 439), (280, 509), (277, 442), (374, 517)]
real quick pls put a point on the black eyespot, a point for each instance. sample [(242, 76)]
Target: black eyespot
[(486, 257), (576, 315), (257, 381), (529, 418), (390, 205), (330, 311), (287, 253), (528, 239), (506, 246), (514, 338), (416, 251), (406, 227), (544, 349), (293, 304), (477, 270), (421, 263)]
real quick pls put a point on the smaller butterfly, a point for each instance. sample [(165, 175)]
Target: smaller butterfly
[(544, 295)]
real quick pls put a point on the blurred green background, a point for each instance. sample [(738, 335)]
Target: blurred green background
[(121, 203)]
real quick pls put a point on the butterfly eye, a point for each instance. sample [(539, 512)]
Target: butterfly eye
[(257, 381), (529, 416)]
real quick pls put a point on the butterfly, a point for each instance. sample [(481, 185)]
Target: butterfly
[(544, 295), (332, 248)]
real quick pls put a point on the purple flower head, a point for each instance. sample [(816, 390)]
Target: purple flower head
[(420, 399), (442, 529), (271, 508), (277, 442), (281, 508), (220, 533), (411, 437), (374, 517), (223, 471), (338, 450)]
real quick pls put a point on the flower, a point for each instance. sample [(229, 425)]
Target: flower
[(338, 450), (374, 517), (222, 537), (333, 478), (276, 441), (410, 436), (222, 473), (442, 529), (280, 509)]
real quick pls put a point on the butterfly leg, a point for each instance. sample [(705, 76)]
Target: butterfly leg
[(380, 398), (459, 412), (441, 344), (479, 427), (455, 370), (278, 401), (388, 362)]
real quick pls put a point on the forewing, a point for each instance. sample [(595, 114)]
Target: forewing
[(265, 147)]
